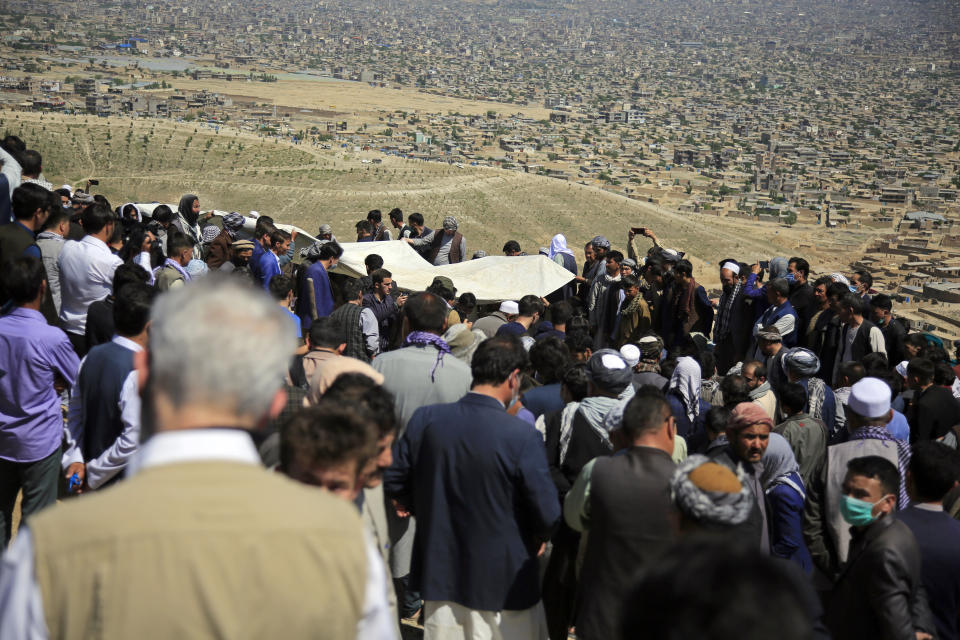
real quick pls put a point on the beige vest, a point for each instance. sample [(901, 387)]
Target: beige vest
[(166, 278), (202, 550)]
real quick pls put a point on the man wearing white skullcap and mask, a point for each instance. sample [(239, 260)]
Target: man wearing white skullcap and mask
[(826, 532)]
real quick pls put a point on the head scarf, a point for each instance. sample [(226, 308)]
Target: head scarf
[(463, 342), (196, 267), (311, 253), (839, 277), (558, 244), (800, 361), (185, 209), (599, 242), (778, 267), (233, 222), (629, 262), (325, 229), (778, 461), (685, 381), (450, 224), (138, 214), (746, 414), (709, 492), (671, 255), (608, 371), (209, 233)]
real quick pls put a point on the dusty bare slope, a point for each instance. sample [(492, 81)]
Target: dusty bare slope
[(153, 160)]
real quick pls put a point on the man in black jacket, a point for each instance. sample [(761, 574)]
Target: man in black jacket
[(801, 296), (858, 336), (624, 503), (934, 410), (894, 332), (878, 595)]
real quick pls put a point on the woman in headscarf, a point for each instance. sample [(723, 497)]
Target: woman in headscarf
[(563, 256), (785, 499), (187, 221), (689, 409)]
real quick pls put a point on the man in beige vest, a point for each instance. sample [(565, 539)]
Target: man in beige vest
[(201, 541)]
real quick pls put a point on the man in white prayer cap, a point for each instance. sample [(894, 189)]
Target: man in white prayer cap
[(508, 312), (826, 532), (731, 331)]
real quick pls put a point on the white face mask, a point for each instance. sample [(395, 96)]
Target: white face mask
[(516, 392)]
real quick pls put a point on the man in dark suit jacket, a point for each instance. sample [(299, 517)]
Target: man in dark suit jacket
[(933, 472), (934, 410), (477, 480), (878, 595), (624, 502)]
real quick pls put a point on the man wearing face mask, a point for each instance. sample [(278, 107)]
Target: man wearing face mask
[(825, 529), (879, 594), (475, 556)]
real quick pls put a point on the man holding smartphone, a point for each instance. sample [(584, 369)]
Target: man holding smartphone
[(384, 306)]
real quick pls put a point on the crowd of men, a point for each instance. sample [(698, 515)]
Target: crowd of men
[(244, 443)]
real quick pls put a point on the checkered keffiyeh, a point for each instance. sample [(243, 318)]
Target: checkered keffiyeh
[(721, 328), (210, 234), (233, 222), (903, 455)]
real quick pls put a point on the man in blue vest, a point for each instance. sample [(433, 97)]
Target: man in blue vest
[(780, 313), (104, 416)]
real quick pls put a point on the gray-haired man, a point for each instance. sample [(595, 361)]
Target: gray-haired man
[(184, 535)]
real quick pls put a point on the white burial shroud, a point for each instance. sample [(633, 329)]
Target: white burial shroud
[(491, 279)]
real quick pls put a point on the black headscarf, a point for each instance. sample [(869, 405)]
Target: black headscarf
[(186, 209)]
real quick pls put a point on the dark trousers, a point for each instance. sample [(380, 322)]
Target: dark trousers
[(39, 483), (408, 600), (79, 343), (560, 583), (726, 355)]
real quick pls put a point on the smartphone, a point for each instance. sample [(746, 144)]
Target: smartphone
[(92, 182), (640, 230), (765, 265)]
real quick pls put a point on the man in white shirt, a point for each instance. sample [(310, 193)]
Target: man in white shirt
[(199, 531), (86, 272), (11, 170)]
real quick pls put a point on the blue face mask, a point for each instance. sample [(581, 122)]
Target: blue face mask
[(789, 277), (858, 513)]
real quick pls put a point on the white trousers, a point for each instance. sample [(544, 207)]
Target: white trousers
[(445, 620)]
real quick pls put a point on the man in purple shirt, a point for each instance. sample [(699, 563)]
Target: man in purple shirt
[(37, 361)]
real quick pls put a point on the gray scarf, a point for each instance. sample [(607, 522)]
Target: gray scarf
[(760, 391)]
